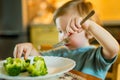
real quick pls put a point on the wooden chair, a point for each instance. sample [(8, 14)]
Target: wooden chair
[(113, 73)]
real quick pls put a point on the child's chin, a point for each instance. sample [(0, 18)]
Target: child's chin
[(71, 48)]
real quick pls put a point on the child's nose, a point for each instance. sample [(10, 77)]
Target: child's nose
[(69, 34), (65, 36)]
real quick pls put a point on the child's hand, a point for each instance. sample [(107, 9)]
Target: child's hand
[(75, 26), (23, 49)]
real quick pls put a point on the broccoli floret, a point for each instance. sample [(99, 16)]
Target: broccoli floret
[(14, 66), (24, 65), (9, 60), (38, 67), (13, 70)]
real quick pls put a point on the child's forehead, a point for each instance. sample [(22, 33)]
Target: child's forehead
[(61, 28), (61, 22)]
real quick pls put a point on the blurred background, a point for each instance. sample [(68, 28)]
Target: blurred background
[(31, 21)]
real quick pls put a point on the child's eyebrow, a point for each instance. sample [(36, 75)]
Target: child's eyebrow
[(61, 29), (58, 29)]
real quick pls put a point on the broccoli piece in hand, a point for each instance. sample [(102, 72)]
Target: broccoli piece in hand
[(14, 66), (38, 67)]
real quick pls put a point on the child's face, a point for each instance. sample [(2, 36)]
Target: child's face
[(76, 40)]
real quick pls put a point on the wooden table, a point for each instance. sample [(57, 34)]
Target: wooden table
[(69, 76), (86, 76)]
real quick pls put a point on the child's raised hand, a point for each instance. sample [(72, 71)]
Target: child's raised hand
[(75, 26)]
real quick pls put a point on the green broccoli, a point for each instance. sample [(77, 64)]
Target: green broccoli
[(38, 67), (24, 65), (14, 66)]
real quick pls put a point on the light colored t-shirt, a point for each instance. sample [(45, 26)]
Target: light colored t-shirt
[(88, 60)]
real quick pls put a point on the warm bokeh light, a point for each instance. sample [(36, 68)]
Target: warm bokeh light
[(107, 9), (44, 9), (41, 11)]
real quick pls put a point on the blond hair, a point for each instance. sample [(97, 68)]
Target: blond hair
[(81, 6)]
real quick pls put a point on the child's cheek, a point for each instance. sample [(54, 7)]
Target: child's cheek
[(76, 42)]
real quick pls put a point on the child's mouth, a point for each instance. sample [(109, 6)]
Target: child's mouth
[(67, 44)]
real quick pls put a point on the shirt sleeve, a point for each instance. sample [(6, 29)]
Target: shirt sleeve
[(102, 61)]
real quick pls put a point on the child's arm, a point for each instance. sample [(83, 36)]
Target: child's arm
[(106, 40)]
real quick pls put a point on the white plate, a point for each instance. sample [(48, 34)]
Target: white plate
[(55, 65)]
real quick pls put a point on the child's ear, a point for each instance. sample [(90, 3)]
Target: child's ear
[(89, 35)]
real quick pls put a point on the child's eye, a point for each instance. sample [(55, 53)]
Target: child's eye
[(60, 31)]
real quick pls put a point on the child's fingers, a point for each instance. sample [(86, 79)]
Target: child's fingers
[(77, 22), (23, 48), (73, 25), (26, 54), (80, 30), (68, 28), (15, 52), (71, 30), (19, 51), (78, 25)]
